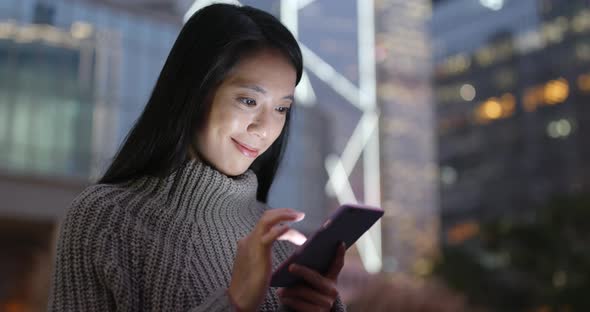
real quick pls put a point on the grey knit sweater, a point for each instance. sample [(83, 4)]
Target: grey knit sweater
[(158, 244)]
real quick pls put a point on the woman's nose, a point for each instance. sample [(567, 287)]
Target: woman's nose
[(260, 125)]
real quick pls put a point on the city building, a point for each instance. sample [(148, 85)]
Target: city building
[(511, 86), (74, 75)]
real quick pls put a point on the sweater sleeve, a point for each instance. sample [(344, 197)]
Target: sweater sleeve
[(218, 301), (76, 281), (97, 267), (338, 306)]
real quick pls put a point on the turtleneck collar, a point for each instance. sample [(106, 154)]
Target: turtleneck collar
[(197, 185)]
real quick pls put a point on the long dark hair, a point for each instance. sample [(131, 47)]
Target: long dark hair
[(211, 42)]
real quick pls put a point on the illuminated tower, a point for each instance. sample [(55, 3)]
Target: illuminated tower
[(409, 190)]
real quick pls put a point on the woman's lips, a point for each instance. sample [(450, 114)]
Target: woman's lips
[(245, 150)]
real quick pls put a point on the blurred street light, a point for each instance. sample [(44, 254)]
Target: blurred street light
[(467, 92), (492, 4)]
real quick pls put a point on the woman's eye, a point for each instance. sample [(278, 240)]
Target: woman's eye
[(248, 101), (283, 109)]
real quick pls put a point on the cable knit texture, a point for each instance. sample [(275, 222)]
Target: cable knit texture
[(158, 244)]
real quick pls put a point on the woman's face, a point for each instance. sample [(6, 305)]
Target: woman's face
[(248, 112)]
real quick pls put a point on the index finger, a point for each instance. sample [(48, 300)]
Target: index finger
[(314, 279), (274, 216)]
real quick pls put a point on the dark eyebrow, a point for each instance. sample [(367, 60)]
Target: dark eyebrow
[(259, 89), (253, 87)]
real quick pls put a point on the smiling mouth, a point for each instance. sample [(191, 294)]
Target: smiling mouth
[(246, 151)]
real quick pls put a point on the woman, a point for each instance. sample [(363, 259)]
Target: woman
[(179, 221)]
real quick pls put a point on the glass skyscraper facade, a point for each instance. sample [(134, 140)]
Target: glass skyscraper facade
[(75, 75), (511, 87)]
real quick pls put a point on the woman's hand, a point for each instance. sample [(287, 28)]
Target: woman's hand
[(253, 264), (319, 292)]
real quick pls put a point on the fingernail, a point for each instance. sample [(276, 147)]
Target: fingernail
[(299, 216)]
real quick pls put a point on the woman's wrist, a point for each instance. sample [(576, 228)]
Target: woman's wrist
[(233, 302)]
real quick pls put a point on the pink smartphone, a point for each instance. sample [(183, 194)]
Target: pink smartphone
[(346, 225)]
